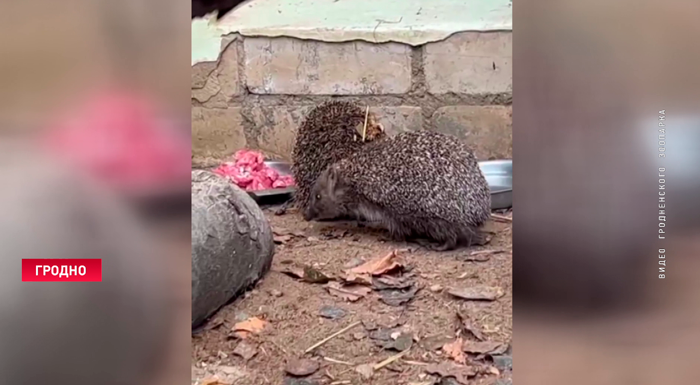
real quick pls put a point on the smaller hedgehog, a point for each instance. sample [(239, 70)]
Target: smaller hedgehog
[(422, 185), (330, 132)]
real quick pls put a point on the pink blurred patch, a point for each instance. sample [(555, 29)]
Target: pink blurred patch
[(248, 171), (117, 137)]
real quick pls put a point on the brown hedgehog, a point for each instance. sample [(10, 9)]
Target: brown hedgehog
[(330, 132), (422, 185)]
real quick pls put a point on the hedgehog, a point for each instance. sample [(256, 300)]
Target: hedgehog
[(330, 132), (424, 186)]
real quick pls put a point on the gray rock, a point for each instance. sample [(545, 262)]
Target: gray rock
[(232, 244)]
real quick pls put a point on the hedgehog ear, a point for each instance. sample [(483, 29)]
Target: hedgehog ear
[(380, 126)]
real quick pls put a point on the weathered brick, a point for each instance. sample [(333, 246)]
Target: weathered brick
[(487, 129), (201, 72), (470, 63), (275, 127), (216, 134), (292, 66), (222, 82), (399, 119)]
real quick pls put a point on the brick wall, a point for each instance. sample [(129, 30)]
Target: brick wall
[(258, 92)]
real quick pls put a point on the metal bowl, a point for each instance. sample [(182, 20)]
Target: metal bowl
[(499, 176), (498, 173)]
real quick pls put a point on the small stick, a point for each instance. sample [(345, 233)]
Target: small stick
[(416, 363), (364, 128), (390, 360), (501, 218), (336, 334), (490, 251), (341, 382), (333, 360)]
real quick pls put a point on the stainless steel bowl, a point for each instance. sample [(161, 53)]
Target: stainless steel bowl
[(499, 176), (498, 173)]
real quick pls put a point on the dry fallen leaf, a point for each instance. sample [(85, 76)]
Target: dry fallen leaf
[(484, 347), (348, 293), (464, 325), (301, 367), (279, 239), (461, 373), (245, 350), (398, 297), (478, 293), (390, 282), (252, 325), (365, 370), (305, 273), (375, 267), (454, 350)]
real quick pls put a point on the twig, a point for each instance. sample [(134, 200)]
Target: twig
[(390, 360), (336, 334), (341, 382), (416, 363), (333, 360), (501, 218), (364, 128), (490, 251)]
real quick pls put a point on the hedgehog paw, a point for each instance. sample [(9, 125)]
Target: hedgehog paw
[(436, 246)]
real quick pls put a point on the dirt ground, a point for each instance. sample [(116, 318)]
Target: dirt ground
[(291, 309)]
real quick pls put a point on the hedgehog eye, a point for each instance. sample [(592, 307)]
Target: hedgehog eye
[(318, 197)]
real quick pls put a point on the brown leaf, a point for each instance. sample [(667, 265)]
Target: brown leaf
[(375, 267), (365, 370), (252, 325), (398, 297), (461, 373), (390, 282), (466, 326), (478, 293), (305, 273), (279, 239), (484, 347), (454, 350), (432, 343), (348, 293), (214, 323), (245, 350), (301, 367)]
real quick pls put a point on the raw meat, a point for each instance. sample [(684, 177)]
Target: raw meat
[(248, 171)]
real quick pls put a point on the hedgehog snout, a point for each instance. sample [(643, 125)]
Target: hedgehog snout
[(309, 214)]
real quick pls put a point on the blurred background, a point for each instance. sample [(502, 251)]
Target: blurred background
[(590, 79), (95, 138)]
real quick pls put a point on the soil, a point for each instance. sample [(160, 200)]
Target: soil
[(291, 309)]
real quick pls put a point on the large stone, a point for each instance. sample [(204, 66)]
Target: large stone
[(470, 63), (291, 66), (487, 129), (216, 134), (232, 243), (112, 332)]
